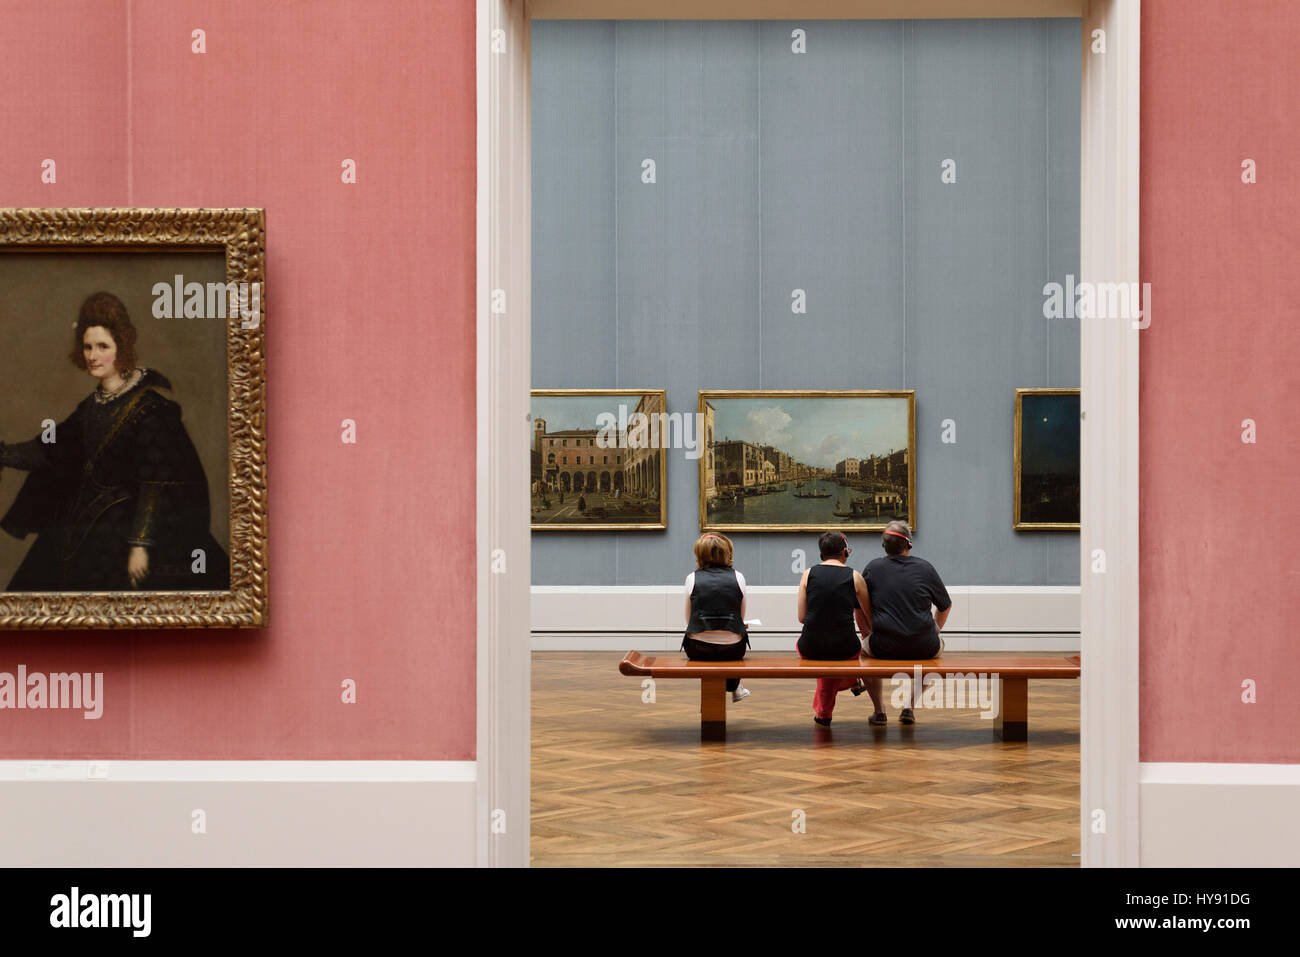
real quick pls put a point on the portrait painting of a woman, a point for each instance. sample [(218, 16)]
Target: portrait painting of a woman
[(115, 493)]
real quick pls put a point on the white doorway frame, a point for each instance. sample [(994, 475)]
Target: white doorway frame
[(1108, 380)]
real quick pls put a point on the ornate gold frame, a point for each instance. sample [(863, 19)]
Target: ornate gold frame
[(1016, 524), (912, 509), (241, 233), (663, 467)]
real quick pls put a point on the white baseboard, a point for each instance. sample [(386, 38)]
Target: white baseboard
[(651, 617), (256, 813), (660, 643), (1219, 815)]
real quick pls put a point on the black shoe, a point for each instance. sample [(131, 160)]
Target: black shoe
[(906, 717), (878, 720), (858, 688), (824, 722)]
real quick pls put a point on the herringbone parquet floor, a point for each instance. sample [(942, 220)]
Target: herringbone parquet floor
[(617, 782)]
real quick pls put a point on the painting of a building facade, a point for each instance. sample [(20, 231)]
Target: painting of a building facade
[(598, 459)]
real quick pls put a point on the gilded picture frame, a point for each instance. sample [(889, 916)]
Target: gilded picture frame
[(868, 495), (206, 237), (1046, 486), (625, 485)]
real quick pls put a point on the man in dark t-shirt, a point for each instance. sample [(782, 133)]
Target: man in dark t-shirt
[(902, 589)]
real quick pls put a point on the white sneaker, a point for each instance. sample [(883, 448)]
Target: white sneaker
[(740, 693)]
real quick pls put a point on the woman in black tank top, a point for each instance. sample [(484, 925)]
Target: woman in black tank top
[(830, 596), (715, 608), (829, 600)]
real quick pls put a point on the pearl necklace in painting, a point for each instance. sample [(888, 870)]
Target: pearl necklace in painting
[(132, 380)]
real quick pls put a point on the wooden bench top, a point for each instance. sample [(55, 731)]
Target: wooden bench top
[(1012, 666)]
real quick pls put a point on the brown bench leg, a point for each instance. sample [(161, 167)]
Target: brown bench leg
[(1013, 711), (713, 709)]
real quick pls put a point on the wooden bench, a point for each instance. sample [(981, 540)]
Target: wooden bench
[(1013, 672)]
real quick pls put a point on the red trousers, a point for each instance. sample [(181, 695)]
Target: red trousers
[(827, 689)]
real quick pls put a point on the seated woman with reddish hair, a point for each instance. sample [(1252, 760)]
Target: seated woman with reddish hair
[(715, 608)]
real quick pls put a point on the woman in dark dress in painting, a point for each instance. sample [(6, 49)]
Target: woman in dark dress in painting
[(118, 500)]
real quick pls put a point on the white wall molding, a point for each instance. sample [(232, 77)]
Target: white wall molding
[(245, 771), (651, 617), (1197, 773), (1109, 409), (254, 813), (661, 643), (1232, 810), (503, 370)]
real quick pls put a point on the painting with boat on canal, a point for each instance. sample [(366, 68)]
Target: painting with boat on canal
[(796, 461)]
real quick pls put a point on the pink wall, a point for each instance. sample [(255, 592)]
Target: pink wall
[(371, 317), (370, 308), (1220, 520)]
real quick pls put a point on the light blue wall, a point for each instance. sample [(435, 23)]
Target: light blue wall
[(818, 171)]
